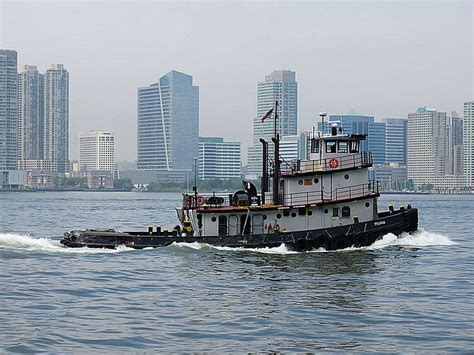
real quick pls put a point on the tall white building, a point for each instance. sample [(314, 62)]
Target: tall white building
[(31, 115), (278, 86), (56, 117), (97, 151), (429, 146), (8, 109), (468, 144), (218, 159)]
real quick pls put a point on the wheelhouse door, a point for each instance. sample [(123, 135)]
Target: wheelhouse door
[(257, 224), (233, 225)]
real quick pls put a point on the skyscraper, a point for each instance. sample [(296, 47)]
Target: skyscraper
[(97, 151), (168, 123), (468, 143), (8, 109), (31, 115), (396, 140), (56, 117), (426, 159), (278, 86), (218, 159)]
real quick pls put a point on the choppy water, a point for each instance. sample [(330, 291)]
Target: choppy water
[(408, 294)]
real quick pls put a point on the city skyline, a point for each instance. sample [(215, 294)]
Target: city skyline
[(381, 68)]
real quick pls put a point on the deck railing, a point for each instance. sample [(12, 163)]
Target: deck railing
[(363, 159), (338, 194)]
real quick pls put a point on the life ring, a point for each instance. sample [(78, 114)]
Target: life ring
[(200, 200), (333, 163)]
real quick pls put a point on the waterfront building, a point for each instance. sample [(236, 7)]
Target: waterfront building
[(278, 86), (8, 109), (97, 151), (219, 159), (427, 148), (392, 176), (56, 117), (396, 140), (100, 179), (468, 144), (168, 123), (13, 179)]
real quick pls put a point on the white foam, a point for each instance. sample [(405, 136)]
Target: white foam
[(46, 245), (420, 238)]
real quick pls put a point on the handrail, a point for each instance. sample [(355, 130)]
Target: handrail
[(343, 162), (338, 194)]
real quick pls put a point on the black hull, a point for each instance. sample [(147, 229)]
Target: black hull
[(357, 234)]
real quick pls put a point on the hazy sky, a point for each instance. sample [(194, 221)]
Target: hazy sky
[(382, 58)]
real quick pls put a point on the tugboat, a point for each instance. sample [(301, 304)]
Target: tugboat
[(323, 201)]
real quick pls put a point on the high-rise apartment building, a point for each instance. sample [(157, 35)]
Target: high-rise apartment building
[(396, 140), (468, 144), (427, 149), (56, 117), (168, 123), (31, 115), (97, 151), (278, 86), (8, 109), (218, 159)]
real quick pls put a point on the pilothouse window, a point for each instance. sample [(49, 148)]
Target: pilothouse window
[(342, 146), (330, 146), (354, 147)]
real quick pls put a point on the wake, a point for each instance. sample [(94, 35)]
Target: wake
[(10, 241), (420, 238)]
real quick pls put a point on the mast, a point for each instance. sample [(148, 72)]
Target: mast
[(276, 170), (264, 184)]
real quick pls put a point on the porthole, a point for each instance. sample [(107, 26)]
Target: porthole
[(367, 204), (310, 213), (346, 176), (213, 219), (278, 215), (326, 211), (300, 182), (293, 214), (264, 216), (316, 180)]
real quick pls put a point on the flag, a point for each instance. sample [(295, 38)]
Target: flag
[(268, 114)]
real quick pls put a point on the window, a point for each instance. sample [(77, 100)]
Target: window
[(346, 211), (335, 212), (342, 146), (278, 215), (316, 180), (367, 204), (314, 145), (326, 211), (346, 177), (354, 147), (330, 146), (300, 182), (293, 214)]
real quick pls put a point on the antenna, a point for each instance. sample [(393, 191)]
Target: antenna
[(322, 115)]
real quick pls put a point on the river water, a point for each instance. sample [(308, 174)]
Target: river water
[(408, 294)]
